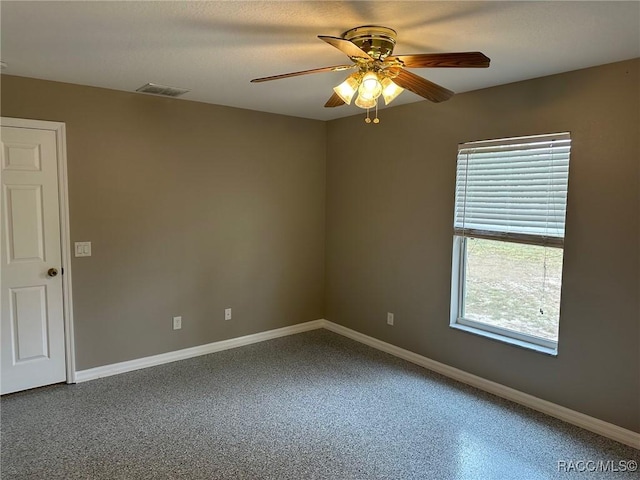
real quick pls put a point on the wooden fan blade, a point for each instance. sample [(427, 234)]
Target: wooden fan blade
[(346, 47), (444, 60), (334, 101), (335, 68), (421, 86)]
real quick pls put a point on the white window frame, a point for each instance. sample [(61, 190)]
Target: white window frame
[(458, 279)]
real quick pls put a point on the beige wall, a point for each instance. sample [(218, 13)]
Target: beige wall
[(190, 208), (390, 193)]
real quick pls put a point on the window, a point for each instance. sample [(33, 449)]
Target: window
[(510, 205)]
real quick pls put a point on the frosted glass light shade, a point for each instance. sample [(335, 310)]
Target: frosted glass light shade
[(390, 90), (347, 89), (370, 88), (364, 102)]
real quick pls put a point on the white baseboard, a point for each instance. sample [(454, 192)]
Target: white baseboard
[(609, 430), (152, 361), (592, 424)]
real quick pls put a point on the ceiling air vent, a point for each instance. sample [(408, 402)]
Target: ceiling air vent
[(164, 90)]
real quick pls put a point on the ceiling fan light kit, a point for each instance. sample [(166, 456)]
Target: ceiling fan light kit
[(370, 48)]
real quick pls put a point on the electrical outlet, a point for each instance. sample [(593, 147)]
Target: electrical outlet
[(177, 323), (389, 318), (227, 314)]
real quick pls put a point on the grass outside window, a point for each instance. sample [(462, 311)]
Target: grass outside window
[(513, 286)]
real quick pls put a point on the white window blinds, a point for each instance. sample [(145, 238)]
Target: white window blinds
[(513, 189)]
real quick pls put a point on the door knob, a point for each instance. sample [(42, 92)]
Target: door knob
[(52, 272)]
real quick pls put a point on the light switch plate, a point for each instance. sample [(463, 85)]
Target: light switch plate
[(82, 249)]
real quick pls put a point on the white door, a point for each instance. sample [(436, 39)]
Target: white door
[(32, 334)]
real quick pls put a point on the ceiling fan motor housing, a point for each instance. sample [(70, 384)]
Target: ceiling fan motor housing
[(375, 40)]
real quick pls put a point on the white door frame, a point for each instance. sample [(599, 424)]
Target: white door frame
[(59, 128)]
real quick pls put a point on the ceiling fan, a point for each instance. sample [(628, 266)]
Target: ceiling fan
[(378, 73)]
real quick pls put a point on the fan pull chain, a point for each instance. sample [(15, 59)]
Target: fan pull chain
[(376, 119)]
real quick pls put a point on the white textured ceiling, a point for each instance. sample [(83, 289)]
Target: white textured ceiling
[(215, 48)]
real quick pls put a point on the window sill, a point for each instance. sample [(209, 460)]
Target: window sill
[(504, 339)]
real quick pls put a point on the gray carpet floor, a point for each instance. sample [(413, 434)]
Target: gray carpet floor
[(310, 406)]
